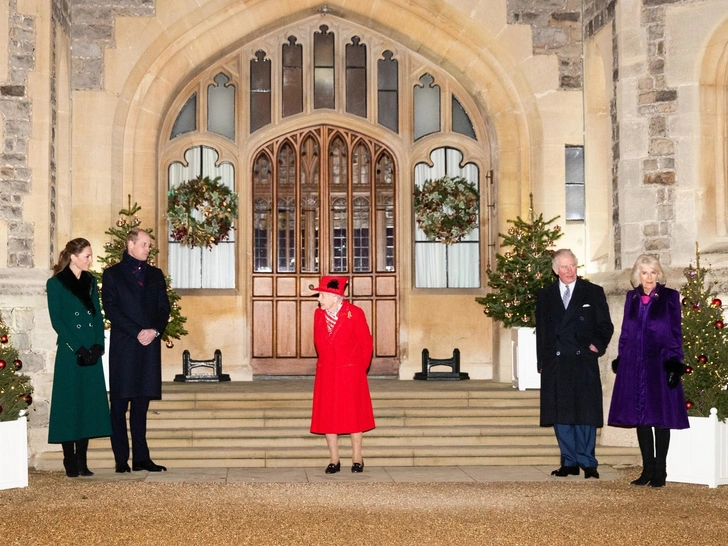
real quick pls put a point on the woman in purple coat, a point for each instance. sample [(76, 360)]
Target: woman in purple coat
[(647, 392)]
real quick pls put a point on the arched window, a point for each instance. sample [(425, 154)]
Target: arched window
[(438, 265), (202, 267), (296, 72)]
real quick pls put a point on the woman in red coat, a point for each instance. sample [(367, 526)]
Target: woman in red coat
[(341, 400)]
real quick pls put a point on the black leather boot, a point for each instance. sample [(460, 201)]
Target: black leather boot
[(69, 459), (647, 449), (81, 448), (662, 444)]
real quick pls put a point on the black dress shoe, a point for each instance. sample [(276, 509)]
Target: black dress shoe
[(122, 467), (591, 472), (566, 471), (333, 468), (149, 466), (84, 471), (358, 467)]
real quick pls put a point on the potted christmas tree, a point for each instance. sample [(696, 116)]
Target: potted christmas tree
[(521, 271), (699, 454), (15, 396)]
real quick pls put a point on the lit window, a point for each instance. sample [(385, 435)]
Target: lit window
[(574, 169)]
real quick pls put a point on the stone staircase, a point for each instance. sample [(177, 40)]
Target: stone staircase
[(265, 423)]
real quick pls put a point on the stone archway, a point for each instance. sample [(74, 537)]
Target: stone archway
[(477, 59)]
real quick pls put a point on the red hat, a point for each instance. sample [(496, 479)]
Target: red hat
[(332, 285)]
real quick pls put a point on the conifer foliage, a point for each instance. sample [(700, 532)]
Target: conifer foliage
[(15, 388), (522, 271), (705, 344), (114, 250)]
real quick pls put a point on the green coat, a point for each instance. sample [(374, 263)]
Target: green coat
[(79, 406)]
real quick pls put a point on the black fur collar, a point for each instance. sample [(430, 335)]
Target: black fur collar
[(81, 287)]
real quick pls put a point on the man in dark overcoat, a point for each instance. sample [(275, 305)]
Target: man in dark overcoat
[(573, 329), (135, 300)]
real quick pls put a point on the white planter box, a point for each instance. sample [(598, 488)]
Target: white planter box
[(524, 372), (14, 453), (699, 454)]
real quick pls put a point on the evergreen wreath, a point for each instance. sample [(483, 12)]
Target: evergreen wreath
[(201, 212), (446, 209)]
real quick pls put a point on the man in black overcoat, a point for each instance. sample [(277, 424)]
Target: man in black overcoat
[(135, 300), (573, 329)]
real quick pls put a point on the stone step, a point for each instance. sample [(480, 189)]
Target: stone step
[(304, 422), (375, 456), (396, 432), (414, 391), (305, 403), (379, 413), (298, 442), (394, 436)]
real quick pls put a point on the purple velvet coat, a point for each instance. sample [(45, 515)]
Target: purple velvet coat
[(651, 334)]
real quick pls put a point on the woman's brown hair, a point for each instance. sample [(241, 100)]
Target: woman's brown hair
[(74, 247)]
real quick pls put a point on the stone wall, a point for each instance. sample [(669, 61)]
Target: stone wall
[(92, 31), (556, 29), (15, 114)]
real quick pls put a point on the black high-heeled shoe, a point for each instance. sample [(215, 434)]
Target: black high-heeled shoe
[(358, 467), (333, 468)]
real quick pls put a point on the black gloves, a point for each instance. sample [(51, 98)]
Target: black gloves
[(96, 352), (85, 357), (674, 369)]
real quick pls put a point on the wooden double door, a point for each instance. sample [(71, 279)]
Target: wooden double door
[(323, 204)]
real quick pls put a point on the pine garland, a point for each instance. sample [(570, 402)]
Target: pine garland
[(15, 388), (201, 212), (521, 272), (114, 252), (705, 344), (446, 209)]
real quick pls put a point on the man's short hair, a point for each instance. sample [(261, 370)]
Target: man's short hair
[(133, 234), (562, 252)]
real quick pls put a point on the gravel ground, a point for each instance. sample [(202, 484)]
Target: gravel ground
[(59, 511)]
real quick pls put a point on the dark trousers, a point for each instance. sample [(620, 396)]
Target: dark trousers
[(137, 424), (577, 444)]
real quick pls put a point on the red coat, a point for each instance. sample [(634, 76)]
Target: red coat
[(341, 400)]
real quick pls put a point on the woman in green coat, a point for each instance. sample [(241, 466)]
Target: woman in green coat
[(79, 406)]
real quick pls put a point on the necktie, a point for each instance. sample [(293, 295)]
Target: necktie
[(566, 297)]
